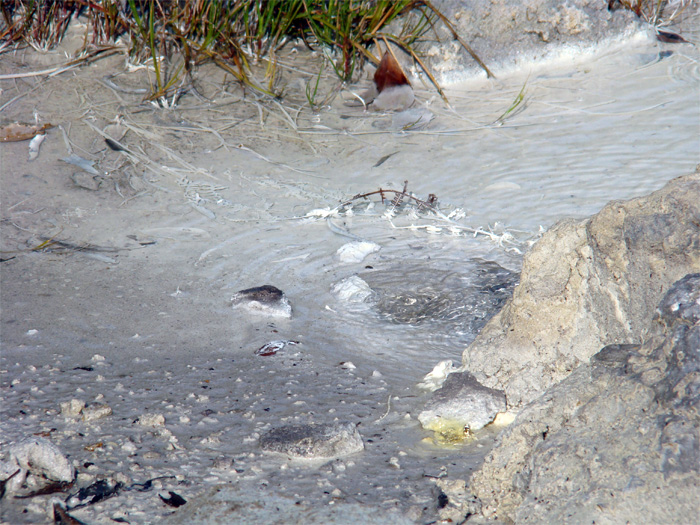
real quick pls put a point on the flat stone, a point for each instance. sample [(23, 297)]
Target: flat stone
[(314, 440), (355, 252)]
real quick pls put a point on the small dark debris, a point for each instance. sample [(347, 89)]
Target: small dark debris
[(175, 500), (45, 433), (384, 159), (86, 368), (442, 500), (50, 488), (98, 491), (670, 38), (60, 515), (142, 487), (114, 145), (3, 482), (147, 485)]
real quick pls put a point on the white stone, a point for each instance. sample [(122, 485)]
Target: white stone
[(352, 290), (39, 457), (355, 252)]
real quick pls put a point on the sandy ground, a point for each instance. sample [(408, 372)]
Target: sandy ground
[(116, 284)]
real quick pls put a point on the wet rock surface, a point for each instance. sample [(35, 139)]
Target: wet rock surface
[(462, 403), (616, 441), (266, 300), (424, 295), (220, 503), (314, 440), (587, 284)]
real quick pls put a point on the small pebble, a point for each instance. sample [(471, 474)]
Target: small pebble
[(151, 420)]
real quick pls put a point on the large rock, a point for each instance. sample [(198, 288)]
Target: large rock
[(504, 33), (587, 284), (618, 441)]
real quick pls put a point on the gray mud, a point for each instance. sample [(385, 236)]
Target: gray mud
[(116, 287)]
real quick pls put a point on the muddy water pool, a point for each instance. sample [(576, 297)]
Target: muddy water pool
[(151, 330)]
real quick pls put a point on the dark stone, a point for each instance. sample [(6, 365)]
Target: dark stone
[(314, 440), (266, 294)]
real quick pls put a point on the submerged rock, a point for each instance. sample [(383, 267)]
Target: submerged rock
[(461, 405), (616, 441), (394, 98), (314, 440), (266, 299), (232, 503), (419, 293), (356, 252), (352, 290), (586, 284)]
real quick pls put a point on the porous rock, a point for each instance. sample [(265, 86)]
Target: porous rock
[(586, 284), (96, 411), (462, 402), (618, 441), (37, 457), (314, 440)]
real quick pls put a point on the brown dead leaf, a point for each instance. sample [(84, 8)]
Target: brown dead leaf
[(94, 446), (18, 131), (389, 73)]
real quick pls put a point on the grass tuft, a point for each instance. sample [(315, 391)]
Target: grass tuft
[(240, 36)]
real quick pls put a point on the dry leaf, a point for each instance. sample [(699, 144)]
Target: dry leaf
[(389, 73), (670, 38), (17, 131)]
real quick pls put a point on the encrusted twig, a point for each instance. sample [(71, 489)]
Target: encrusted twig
[(429, 204)]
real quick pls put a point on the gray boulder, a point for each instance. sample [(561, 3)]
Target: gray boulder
[(587, 284), (618, 441)]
